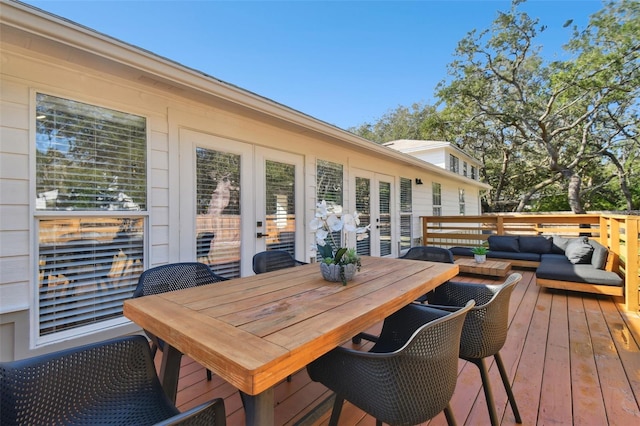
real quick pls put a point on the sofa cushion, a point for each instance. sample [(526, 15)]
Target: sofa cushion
[(579, 251), (537, 244), (559, 244), (461, 251), (563, 270), (534, 257), (503, 243), (599, 255)]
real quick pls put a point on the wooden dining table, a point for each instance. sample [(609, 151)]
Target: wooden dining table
[(255, 331)]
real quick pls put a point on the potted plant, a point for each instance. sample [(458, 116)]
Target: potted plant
[(337, 263), (480, 253)]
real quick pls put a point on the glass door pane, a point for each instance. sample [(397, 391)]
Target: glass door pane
[(218, 211), (363, 206), (280, 206), (384, 218)]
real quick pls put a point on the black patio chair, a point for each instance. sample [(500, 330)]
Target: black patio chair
[(203, 245), (485, 329), (171, 277), (112, 382), (426, 253), (272, 260), (409, 375), (429, 253)]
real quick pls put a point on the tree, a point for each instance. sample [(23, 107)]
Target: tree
[(546, 124)]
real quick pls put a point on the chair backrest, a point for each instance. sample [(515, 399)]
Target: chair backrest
[(486, 326), (414, 381), (203, 244), (272, 260), (108, 382), (175, 276), (431, 254)]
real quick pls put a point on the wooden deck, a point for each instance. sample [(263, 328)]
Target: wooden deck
[(573, 359)]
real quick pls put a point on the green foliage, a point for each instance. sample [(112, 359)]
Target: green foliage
[(552, 135)]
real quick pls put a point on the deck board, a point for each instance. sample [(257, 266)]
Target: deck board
[(572, 358)]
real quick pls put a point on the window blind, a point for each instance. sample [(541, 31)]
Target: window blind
[(85, 275)]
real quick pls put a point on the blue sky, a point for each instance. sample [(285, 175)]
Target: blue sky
[(343, 62)]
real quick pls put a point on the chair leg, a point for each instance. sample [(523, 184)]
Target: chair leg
[(486, 385), (337, 409), (451, 420), (357, 339), (208, 375), (507, 387)]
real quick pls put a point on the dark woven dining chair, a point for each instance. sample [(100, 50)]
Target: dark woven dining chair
[(112, 382), (171, 277), (409, 375), (426, 253), (485, 329), (429, 253), (272, 260)]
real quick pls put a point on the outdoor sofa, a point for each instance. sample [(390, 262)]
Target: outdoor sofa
[(579, 263)]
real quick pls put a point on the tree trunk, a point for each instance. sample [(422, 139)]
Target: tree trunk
[(574, 193)]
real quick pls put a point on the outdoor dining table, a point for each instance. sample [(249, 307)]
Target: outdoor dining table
[(255, 331)]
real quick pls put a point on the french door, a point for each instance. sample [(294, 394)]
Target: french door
[(374, 201), (279, 197), (246, 200)]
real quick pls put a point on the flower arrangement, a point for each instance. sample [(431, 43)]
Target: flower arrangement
[(325, 224)]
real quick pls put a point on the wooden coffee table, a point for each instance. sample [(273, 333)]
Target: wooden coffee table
[(491, 268)]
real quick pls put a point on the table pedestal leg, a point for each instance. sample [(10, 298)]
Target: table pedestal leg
[(170, 371), (259, 408)]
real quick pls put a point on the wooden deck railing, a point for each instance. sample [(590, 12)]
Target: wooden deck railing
[(620, 233)]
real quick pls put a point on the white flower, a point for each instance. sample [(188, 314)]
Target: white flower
[(349, 223), (327, 222), (334, 223), (321, 210)]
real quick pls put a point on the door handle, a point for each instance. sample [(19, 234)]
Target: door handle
[(260, 235)]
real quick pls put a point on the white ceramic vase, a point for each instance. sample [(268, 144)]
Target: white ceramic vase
[(480, 258)]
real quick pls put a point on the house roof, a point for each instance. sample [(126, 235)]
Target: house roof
[(37, 30)]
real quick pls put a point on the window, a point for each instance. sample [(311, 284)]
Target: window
[(474, 174), (91, 185), (464, 168), (436, 199), (329, 178), (406, 217), (454, 163), (461, 200)]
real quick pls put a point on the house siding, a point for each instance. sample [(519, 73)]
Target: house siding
[(88, 79)]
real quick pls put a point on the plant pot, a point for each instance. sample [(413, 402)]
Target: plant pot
[(332, 272), (480, 258)]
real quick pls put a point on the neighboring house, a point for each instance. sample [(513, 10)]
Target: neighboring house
[(114, 160), (452, 158)]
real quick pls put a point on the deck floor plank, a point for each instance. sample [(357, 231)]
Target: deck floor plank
[(572, 358), (556, 384), (587, 401)]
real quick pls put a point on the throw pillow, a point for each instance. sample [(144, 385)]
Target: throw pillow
[(538, 244), (503, 243), (599, 255), (579, 251), (559, 244)]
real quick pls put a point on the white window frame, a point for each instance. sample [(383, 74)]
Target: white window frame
[(38, 215)]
